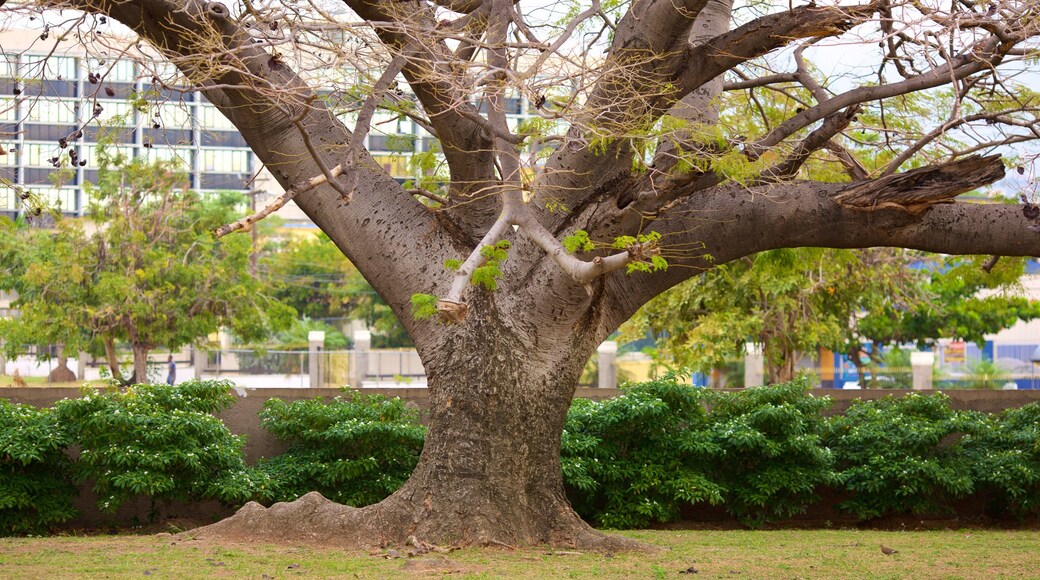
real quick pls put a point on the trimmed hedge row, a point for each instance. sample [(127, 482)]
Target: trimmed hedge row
[(765, 453), (656, 450)]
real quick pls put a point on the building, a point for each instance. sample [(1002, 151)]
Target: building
[(52, 94)]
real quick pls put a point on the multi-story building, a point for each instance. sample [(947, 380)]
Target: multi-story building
[(49, 97)]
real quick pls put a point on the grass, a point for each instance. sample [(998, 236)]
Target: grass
[(713, 554)]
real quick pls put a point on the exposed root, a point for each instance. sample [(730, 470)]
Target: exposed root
[(311, 519), (314, 520), (596, 541)]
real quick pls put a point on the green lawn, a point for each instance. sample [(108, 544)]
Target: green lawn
[(713, 554)]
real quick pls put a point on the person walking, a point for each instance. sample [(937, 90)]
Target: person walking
[(172, 376)]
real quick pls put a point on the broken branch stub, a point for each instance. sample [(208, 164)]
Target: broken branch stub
[(918, 189)]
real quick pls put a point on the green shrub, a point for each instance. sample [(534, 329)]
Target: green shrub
[(1004, 455), (354, 450), (36, 490), (902, 455), (641, 456), (159, 441), (771, 456)]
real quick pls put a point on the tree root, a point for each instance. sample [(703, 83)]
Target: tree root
[(316, 521)]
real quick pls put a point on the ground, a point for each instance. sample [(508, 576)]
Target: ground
[(711, 553)]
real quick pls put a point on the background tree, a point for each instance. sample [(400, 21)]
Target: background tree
[(792, 302), (963, 298), (858, 303), (150, 273), (548, 254), (312, 275)]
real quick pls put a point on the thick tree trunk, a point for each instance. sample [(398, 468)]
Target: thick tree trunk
[(490, 469)]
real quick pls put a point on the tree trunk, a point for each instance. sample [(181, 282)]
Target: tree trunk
[(61, 373), (489, 473), (140, 364), (113, 360)]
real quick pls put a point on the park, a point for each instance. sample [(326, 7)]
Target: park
[(505, 188)]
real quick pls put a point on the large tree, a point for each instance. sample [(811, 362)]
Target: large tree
[(642, 183)]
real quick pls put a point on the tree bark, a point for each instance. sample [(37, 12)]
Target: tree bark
[(61, 373), (489, 473), (112, 359), (140, 364)]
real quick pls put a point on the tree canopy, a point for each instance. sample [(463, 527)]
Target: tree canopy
[(630, 177)]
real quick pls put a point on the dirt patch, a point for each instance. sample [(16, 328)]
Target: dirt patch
[(432, 566)]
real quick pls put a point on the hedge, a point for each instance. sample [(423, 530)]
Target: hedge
[(659, 450)]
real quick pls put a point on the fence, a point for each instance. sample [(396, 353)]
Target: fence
[(403, 369), (280, 368)]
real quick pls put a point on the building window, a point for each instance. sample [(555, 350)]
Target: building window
[(116, 111), (51, 68), (39, 154), (53, 111), (120, 71), (211, 118), (8, 66), (9, 198), (11, 157), (172, 116), (8, 109), (225, 161), (179, 156), (63, 198), (90, 153)]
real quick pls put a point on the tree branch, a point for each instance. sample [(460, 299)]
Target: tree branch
[(916, 190)]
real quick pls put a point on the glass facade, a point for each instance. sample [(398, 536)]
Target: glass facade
[(50, 101)]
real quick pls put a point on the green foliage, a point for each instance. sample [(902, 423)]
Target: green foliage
[(790, 301), (771, 457), (296, 338), (453, 264), (901, 455), (951, 305), (355, 449), (625, 242), (36, 490), (424, 306), (159, 441), (578, 242), (490, 270), (641, 456), (1004, 454), (656, 263), (986, 374), (314, 277)]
